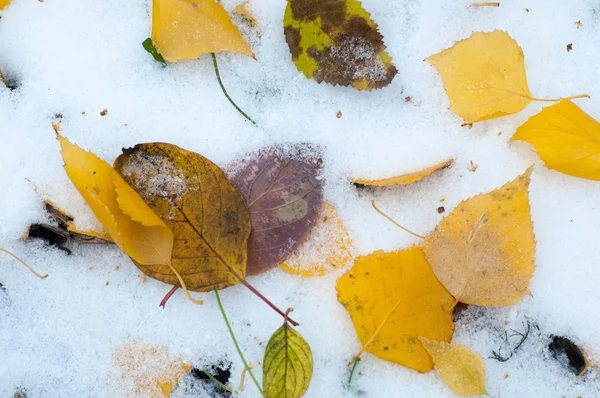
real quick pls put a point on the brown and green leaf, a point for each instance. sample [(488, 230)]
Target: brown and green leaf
[(338, 43)]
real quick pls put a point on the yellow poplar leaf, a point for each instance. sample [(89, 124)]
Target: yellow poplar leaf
[(566, 138), (484, 251), (131, 224), (462, 369), (328, 247), (186, 29), (242, 9), (405, 179), (149, 371), (392, 299), (4, 4)]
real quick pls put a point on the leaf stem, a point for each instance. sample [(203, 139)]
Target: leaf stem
[(214, 58), (223, 386), (352, 371), (266, 300), (168, 296), (394, 222), (559, 99), (237, 347), (24, 263)]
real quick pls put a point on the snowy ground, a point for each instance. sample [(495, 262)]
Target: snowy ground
[(58, 336)]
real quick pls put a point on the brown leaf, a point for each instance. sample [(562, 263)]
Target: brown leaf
[(283, 192)]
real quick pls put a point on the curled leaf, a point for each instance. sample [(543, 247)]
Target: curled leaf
[(405, 179), (283, 191)]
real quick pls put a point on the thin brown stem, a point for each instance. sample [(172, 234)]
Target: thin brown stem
[(394, 222), (266, 300), (488, 4), (24, 263), (168, 296)]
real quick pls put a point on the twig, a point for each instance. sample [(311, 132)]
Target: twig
[(24, 263), (223, 386), (237, 347), (168, 296), (394, 222), (489, 4), (352, 371), (225, 91)]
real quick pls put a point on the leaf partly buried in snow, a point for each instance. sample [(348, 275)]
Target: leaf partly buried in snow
[(283, 191), (186, 29), (206, 212), (392, 299), (287, 364), (405, 179), (462, 369), (131, 224), (242, 9), (327, 248), (484, 76), (566, 138), (484, 251), (337, 42)]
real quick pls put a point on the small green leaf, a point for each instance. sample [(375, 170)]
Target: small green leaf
[(149, 46), (287, 365)]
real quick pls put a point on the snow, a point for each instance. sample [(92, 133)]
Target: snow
[(58, 336)]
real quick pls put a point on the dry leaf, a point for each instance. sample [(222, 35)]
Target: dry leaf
[(392, 299), (405, 178), (186, 29), (484, 76), (242, 9), (484, 251), (338, 43), (131, 224), (566, 138), (462, 369), (149, 371), (206, 212), (283, 191), (327, 248)]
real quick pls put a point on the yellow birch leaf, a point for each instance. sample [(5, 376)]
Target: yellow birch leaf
[(484, 251), (242, 9), (405, 179), (462, 369), (149, 371), (131, 224), (566, 138), (392, 299), (328, 247), (4, 4), (186, 29)]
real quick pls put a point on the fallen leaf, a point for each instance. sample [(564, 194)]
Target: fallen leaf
[(242, 9), (204, 210), (405, 179), (131, 224), (566, 138), (186, 29), (288, 364), (149, 371), (337, 42), (392, 299), (327, 248), (484, 251), (283, 191), (4, 4), (462, 369), (484, 76)]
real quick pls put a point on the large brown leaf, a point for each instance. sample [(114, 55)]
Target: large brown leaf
[(206, 213), (283, 191)]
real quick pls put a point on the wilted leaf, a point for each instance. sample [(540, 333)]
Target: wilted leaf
[(149, 371), (287, 365), (131, 224), (484, 251), (205, 211), (283, 191), (186, 29), (242, 9), (462, 369), (337, 42), (392, 299), (405, 179), (328, 246), (566, 138)]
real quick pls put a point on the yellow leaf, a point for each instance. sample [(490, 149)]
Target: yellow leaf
[(4, 4), (149, 371), (405, 179), (462, 369), (186, 29), (392, 299), (2, 79), (328, 247), (484, 251), (566, 138), (242, 9), (131, 224)]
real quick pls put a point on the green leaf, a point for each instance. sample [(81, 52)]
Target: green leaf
[(149, 46), (337, 42), (287, 365)]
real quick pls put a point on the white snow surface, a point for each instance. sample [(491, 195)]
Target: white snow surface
[(58, 336)]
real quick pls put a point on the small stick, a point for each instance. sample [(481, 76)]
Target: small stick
[(214, 58), (489, 4), (24, 263), (394, 222), (168, 296)]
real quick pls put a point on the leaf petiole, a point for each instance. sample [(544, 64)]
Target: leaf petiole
[(352, 371), (394, 222), (223, 386), (214, 58), (24, 263)]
